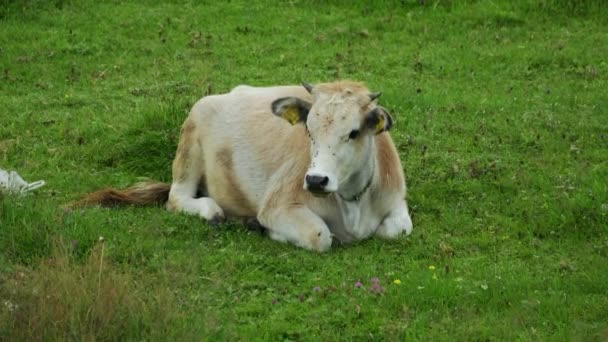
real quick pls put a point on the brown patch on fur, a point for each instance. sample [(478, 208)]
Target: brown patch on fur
[(224, 158), (391, 171), (139, 194), (366, 109), (188, 127), (232, 192), (182, 161), (288, 189)]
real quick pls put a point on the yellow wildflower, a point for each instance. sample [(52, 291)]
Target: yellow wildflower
[(397, 281), (432, 267)]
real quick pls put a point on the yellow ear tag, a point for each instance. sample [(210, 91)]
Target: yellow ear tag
[(380, 125), (292, 115)]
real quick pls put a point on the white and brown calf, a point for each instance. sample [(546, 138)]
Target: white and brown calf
[(322, 166)]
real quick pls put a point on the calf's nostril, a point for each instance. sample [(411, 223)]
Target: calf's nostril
[(310, 179), (317, 181)]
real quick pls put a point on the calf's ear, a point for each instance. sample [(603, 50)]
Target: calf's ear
[(378, 120), (292, 109)]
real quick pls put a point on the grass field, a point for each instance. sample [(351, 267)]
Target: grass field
[(502, 128)]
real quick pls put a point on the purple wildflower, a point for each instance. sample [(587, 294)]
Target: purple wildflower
[(316, 289), (375, 280), (358, 284)]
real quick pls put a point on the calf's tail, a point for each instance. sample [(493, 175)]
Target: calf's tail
[(146, 193)]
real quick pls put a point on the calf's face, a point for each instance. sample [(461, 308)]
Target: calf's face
[(341, 126)]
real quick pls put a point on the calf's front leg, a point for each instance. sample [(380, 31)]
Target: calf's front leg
[(397, 222), (298, 225)]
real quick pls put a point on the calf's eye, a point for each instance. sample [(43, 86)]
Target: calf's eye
[(354, 134)]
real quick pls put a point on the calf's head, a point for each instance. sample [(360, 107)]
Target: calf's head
[(341, 121)]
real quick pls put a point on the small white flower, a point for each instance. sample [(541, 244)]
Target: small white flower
[(484, 286), (10, 305)]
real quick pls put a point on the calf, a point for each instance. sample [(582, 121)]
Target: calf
[(323, 166)]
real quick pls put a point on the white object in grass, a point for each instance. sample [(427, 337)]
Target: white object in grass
[(12, 183)]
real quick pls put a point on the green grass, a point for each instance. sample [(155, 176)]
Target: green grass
[(502, 128)]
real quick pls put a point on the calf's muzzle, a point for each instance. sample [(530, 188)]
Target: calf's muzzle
[(316, 184)]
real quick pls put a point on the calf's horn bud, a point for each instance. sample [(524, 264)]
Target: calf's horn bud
[(308, 87), (373, 96)]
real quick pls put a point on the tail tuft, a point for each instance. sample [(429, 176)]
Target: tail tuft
[(139, 194)]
